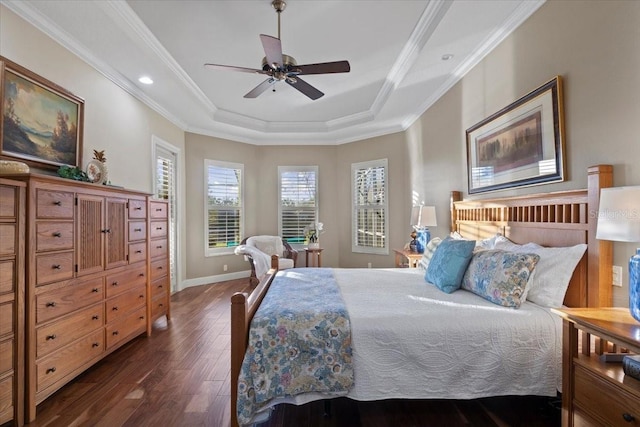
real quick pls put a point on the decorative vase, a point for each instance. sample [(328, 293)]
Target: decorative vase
[(314, 245), (634, 285)]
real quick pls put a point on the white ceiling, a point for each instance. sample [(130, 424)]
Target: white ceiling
[(395, 49)]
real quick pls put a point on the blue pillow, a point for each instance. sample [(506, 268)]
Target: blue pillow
[(449, 263)]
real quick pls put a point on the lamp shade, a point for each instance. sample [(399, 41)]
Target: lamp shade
[(619, 214), (423, 216)]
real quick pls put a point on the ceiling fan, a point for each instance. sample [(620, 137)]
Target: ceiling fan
[(280, 67)]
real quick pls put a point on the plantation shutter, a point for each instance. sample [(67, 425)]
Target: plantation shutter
[(298, 201), (370, 207), (224, 205)]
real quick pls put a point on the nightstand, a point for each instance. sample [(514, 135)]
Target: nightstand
[(313, 257), (595, 392), (406, 258)]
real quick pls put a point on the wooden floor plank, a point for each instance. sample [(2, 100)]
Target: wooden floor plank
[(179, 376)]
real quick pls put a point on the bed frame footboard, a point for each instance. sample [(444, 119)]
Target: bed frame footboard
[(243, 307)]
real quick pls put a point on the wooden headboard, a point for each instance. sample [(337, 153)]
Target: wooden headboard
[(557, 219)]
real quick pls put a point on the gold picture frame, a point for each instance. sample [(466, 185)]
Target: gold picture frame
[(42, 123)]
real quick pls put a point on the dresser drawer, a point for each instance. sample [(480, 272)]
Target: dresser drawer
[(6, 399), (54, 267), (8, 197), (54, 204), (158, 268), (137, 230), (128, 279), (7, 239), (6, 318), (134, 324), (158, 210), (124, 303), (68, 359), (158, 307), (158, 249), (137, 208), (137, 252), (65, 300), (58, 334), (159, 286), (158, 229), (604, 400), (7, 276), (6, 356), (53, 236)]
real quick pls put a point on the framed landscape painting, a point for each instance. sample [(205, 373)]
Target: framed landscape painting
[(42, 123), (522, 144)]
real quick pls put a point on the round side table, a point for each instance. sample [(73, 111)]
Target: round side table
[(313, 257)]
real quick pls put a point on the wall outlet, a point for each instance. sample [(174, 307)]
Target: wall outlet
[(368, 265), (224, 267), (617, 275)]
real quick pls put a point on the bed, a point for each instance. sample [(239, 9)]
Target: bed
[(386, 366)]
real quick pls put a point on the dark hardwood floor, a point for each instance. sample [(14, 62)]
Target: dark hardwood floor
[(180, 377)]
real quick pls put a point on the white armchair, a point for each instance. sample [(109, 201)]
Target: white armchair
[(258, 250)]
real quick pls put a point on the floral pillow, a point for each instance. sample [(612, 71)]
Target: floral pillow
[(500, 276), (448, 264)]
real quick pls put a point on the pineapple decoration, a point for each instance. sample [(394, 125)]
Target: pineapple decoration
[(99, 156)]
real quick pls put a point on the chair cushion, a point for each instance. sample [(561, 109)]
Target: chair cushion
[(284, 263), (270, 245)]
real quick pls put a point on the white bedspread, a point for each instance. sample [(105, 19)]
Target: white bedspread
[(411, 340)]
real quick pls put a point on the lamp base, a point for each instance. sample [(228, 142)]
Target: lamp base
[(634, 285), (422, 239)]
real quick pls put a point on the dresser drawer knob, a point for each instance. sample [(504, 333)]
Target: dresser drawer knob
[(51, 304), (95, 344), (137, 230), (56, 266), (106, 230), (138, 251), (158, 228), (158, 209), (138, 208), (159, 247), (114, 333), (53, 337), (114, 283), (141, 296), (115, 308), (95, 317), (51, 370), (141, 317), (57, 234), (141, 274), (57, 203), (628, 417), (95, 290)]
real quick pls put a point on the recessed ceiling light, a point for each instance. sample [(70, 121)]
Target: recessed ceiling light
[(447, 56), (145, 80)]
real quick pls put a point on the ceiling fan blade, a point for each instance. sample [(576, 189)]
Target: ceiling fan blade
[(253, 93), (232, 68), (305, 88), (323, 68), (272, 50)]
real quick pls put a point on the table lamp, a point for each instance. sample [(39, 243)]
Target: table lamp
[(422, 217), (619, 221)]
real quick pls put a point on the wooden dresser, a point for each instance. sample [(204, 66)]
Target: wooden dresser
[(87, 278), (595, 392), (12, 237)]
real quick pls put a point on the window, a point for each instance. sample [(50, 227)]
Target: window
[(369, 209), (298, 195), (223, 206)]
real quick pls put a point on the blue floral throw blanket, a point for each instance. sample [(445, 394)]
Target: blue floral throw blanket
[(299, 342)]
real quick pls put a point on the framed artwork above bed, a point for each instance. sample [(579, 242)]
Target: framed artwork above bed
[(522, 144)]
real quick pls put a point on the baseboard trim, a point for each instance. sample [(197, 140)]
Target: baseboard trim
[(214, 279)]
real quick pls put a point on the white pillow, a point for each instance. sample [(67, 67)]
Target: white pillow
[(488, 243), (428, 253), (550, 280)]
